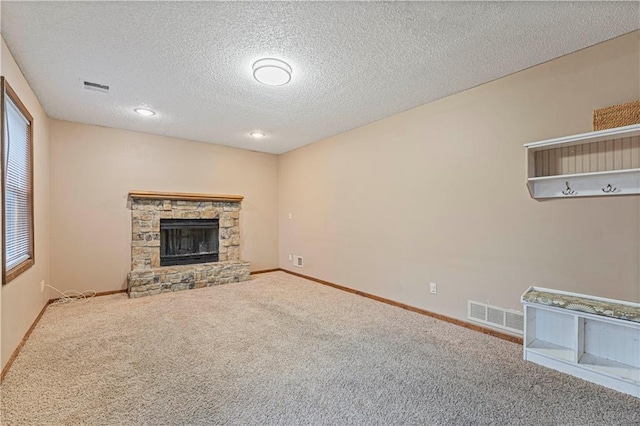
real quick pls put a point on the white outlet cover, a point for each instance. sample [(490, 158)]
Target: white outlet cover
[(433, 288)]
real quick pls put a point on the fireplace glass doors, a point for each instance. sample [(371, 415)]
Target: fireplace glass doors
[(188, 241)]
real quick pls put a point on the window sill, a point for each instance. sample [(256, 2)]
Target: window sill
[(15, 272)]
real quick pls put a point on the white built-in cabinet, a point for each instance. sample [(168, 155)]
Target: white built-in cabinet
[(597, 348), (602, 163)]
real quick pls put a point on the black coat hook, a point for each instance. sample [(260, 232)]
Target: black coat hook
[(568, 191), (609, 189)]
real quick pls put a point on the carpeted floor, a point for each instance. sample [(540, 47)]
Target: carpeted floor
[(282, 350)]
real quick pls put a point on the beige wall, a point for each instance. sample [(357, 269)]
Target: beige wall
[(94, 168), (437, 194), (21, 298)]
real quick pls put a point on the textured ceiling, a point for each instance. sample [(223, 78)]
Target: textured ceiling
[(353, 62)]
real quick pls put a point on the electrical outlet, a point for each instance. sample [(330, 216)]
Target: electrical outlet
[(42, 286), (290, 216), (290, 258), (433, 288)]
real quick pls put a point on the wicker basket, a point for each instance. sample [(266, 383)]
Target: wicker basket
[(616, 116)]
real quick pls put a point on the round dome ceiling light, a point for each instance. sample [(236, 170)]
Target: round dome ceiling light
[(145, 112), (272, 72), (257, 135)]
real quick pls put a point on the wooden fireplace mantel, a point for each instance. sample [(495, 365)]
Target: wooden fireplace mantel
[(184, 196)]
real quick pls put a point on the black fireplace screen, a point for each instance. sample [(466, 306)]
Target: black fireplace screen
[(187, 241)]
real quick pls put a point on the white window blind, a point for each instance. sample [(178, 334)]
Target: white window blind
[(17, 186)]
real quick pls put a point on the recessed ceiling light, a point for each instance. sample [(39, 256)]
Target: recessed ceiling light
[(257, 134), (144, 111), (272, 72)]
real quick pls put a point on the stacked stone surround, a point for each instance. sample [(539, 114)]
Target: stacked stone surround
[(146, 282), (147, 277)]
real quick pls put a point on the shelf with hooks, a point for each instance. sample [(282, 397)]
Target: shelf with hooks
[(602, 163), (616, 182)]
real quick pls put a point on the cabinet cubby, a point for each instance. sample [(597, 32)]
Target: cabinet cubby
[(585, 336)]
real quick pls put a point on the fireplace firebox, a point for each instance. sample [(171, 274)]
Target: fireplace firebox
[(188, 241)]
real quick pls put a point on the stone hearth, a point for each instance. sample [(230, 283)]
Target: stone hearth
[(147, 277)]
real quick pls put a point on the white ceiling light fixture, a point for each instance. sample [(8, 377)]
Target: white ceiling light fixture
[(272, 72), (146, 112), (257, 135)]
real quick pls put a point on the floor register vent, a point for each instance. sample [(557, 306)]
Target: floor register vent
[(505, 319)]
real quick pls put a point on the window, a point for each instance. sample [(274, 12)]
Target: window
[(17, 185)]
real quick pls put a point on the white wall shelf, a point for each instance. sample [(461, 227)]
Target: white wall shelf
[(602, 163), (596, 345)]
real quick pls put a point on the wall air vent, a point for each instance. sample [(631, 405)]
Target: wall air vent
[(504, 319), (95, 86), (297, 261)]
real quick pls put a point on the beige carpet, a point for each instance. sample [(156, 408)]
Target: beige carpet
[(282, 350)]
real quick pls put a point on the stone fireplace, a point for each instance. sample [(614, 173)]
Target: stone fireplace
[(182, 241)]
